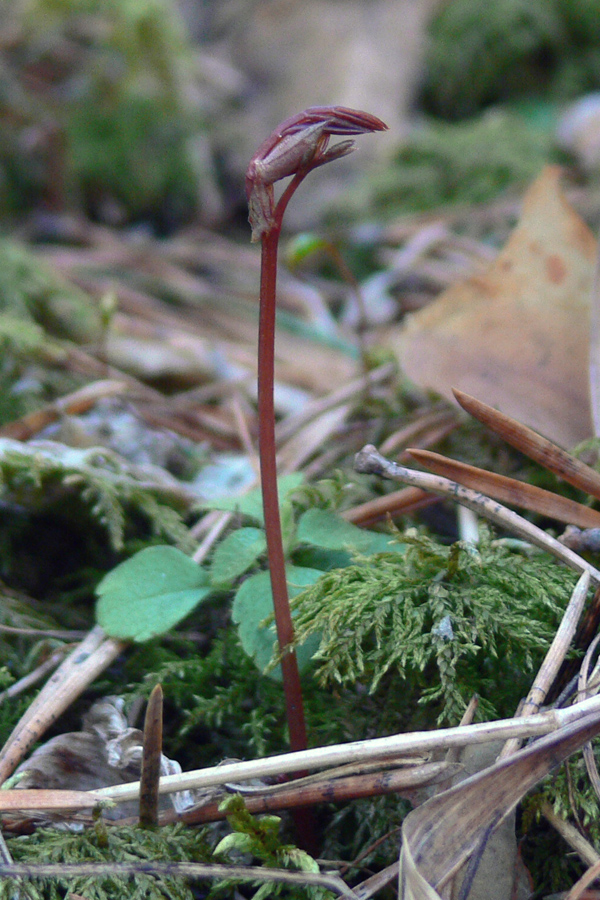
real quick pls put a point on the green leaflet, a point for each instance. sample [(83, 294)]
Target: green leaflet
[(327, 529), (150, 593), (235, 554), (254, 603)]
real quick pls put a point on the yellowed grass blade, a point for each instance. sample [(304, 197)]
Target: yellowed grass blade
[(509, 490), (538, 448)]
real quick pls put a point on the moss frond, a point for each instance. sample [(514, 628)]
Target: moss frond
[(44, 471), (455, 620)]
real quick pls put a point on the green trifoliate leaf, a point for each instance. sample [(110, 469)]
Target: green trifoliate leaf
[(150, 593)]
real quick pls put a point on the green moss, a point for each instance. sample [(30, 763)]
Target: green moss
[(482, 53), (37, 305), (446, 622), (175, 843), (32, 291), (442, 163), (116, 123)]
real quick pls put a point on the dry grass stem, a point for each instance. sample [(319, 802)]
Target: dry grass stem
[(355, 388), (370, 462), (23, 684), (588, 877), (363, 751), (586, 686), (38, 799), (377, 882), (217, 523), (420, 431), (161, 869), (310, 438), (594, 364), (72, 404), (554, 657), (397, 503), (572, 836), (303, 792), (76, 672)]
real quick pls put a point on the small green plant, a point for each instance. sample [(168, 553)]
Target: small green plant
[(114, 845), (260, 838), (43, 474), (509, 49), (117, 117), (156, 588)]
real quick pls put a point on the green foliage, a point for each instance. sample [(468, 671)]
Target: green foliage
[(43, 473), (571, 794), (10, 710), (481, 53), (253, 605), (319, 541), (323, 528), (219, 704), (120, 112), (118, 844), (36, 305), (451, 620), (34, 292), (353, 828), (236, 554), (150, 593), (332, 493), (323, 539), (250, 504), (259, 837)]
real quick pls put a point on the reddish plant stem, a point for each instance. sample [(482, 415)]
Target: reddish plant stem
[(268, 474)]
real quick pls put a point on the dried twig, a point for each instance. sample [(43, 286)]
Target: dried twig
[(370, 462), (303, 792), (509, 490), (361, 751), (76, 672), (572, 836), (176, 870), (554, 657)]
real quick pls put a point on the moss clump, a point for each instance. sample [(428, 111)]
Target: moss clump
[(115, 845), (448, 622), (115, 113), (482, 53), (443, 163)]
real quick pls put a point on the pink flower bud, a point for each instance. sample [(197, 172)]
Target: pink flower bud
[(295, 148)]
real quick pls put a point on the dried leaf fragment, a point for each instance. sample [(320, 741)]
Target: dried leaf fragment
[(517, 337)]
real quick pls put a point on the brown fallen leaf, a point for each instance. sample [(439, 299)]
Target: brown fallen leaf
[(439, 836), (517, 336)]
